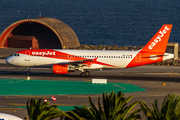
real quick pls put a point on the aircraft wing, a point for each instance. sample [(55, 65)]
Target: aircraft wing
[(85, 61)]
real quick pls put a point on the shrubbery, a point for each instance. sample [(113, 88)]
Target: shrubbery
[(113, 107)]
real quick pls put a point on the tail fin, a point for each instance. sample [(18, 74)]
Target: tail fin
[(159, 41), (154, 50)]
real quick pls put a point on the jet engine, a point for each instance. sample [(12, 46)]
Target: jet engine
[(61, 69)]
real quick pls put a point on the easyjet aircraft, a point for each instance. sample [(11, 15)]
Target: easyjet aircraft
[(67, 61)]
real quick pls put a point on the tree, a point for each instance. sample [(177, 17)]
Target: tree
[(39, 110), (170, 109), (114, 108)]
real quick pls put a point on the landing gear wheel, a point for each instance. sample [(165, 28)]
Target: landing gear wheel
[(85, 74), (82, 74), (28, 72)]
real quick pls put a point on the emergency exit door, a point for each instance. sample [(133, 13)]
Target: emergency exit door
[(27, 56)]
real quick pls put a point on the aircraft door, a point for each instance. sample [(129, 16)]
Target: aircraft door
[(138, 58), (27, 56)]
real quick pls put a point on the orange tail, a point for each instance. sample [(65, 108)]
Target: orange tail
[(154, 50), (159, 41)]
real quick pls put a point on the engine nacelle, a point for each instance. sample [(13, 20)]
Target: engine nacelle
[(61, 69)]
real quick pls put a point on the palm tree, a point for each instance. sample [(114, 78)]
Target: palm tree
[(39, 110), (114, 108), (170, 109)]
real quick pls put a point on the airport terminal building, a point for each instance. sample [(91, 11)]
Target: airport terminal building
[(39, 33)]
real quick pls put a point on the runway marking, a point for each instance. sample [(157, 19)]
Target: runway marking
[(7, 68), (16, 68), (141, 82), (88, 80), (75, 95), (49, 96), (17, 104), (64, 104), (38, 96), (160, 73), (10, 108)]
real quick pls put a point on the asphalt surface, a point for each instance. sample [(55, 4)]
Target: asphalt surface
[(149, 77)]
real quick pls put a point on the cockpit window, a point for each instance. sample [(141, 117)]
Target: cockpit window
[(16, 54)]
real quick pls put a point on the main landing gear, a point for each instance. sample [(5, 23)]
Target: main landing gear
[(28, 72), (85, 74)]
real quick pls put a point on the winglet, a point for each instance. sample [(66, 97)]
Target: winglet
[(159, 41)]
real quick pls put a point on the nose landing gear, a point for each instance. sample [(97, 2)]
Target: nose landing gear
[(28, 72)]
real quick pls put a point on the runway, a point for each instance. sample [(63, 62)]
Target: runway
[(148, 77)]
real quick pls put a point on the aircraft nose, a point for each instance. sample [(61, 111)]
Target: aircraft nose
[(9, 60)]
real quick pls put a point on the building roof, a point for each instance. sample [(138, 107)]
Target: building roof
[(62, 31)]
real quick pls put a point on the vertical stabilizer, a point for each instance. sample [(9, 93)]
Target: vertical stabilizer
[(159, 41), (154, 50)]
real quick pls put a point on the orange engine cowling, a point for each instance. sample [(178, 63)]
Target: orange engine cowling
[(61, 69)]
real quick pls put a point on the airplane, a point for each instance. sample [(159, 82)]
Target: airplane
[(4, 116), (65, 61)]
